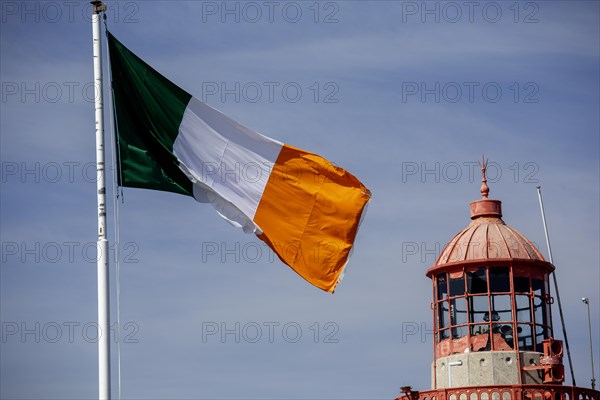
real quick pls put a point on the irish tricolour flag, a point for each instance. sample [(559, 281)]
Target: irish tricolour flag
[(303, 207)]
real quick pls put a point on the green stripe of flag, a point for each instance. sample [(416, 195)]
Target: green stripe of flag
[(149, 109)]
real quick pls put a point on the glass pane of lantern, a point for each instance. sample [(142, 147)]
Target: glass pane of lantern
[(537, 285), (521, 284), (525, 337), (507, 334), (523, 308), (478, 308), (480, 337), (443, 314), (457, 286), (501, 308), (442, 289), (499, 280), (458, 311), (541, 333), (444, 334), (480, 329), (477, 281), (459, 331), (539, 311)]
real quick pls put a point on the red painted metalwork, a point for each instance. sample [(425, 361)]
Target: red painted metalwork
[(503, 392), (551, 362), (527, 300)]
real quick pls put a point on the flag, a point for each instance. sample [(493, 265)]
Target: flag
[(306, 209)]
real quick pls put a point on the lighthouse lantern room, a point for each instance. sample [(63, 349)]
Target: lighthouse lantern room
[(493, 333)]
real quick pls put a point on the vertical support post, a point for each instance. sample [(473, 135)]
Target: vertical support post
[(562, 318), (102, 244)]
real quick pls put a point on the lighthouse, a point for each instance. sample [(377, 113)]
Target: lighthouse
[(492, 318)]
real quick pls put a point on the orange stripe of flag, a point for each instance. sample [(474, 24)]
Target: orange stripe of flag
[(309, 214)]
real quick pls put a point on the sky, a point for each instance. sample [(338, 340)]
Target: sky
[(407, 96)]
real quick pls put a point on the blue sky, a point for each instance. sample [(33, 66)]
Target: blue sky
[(405, 95)]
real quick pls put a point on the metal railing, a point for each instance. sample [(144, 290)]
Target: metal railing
[(504, 392)]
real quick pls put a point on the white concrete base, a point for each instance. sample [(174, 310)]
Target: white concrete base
[(486, 368)]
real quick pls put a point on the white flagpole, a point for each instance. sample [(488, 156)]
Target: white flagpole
[(103, 256)]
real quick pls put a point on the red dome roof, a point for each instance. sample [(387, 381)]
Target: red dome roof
[(488, 238)]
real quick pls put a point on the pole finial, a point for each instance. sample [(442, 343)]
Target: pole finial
[(98, 6), (484, 187)]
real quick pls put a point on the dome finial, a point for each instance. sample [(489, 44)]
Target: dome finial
[(484, 187), (485, 207)]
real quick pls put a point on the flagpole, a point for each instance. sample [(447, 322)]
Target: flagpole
[(102, 244), (560, 311)]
